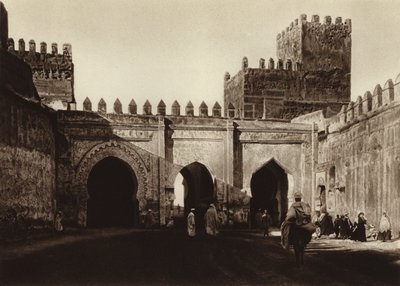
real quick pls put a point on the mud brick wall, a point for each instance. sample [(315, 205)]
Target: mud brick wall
[(361, 144), (27, 152)]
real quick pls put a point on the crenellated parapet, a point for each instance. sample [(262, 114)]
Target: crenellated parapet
[(52, 70), (147, 110), (45, 64), (313, 45), (365, 107), (313, 65), (262, 92)]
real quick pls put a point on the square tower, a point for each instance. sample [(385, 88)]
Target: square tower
[(312, 46), (312, 73)]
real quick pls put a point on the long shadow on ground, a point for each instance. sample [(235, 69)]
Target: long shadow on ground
[(171, 258)]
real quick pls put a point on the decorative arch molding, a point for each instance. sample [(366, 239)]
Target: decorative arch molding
[(120, 150)]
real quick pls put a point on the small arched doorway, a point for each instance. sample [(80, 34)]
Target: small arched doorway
[(269, 189), (194, 187), (112, 187)]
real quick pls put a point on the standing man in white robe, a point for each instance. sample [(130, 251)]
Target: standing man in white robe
[(191, 223)]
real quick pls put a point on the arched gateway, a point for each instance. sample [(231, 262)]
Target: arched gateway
[(111, 186), (196, 186), (269, 189)]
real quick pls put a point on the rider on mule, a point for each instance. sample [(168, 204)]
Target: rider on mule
[(297, 228)]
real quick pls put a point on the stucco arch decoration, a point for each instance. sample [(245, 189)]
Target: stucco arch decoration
[(116, 149)]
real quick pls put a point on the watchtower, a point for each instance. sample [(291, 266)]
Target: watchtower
[(311, 45), (312, 73)]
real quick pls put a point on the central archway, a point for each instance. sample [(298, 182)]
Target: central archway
[(112, 186), (195, 188), (269, 189)]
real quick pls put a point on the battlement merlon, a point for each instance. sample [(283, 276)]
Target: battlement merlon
[(272, 92), (53, 72), (216, 111), (42, 54), (314, 45)]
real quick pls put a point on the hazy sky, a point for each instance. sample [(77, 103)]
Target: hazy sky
[(180, 49)]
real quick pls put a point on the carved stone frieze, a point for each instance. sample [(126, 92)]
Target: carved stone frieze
[(134, 135)]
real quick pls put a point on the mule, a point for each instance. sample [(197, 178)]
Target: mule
[(299, 238)]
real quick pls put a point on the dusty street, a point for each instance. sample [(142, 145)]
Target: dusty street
[(123, 257)]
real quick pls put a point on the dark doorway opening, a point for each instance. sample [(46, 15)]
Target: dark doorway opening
[(198, 187), (269, 189), (112, 187)]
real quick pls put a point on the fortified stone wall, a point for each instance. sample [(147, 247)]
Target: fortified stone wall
[(359, 156), (53, 73), (89, 137), (165, 144), (312, 72), (202, 140), (288, 144), (316, 46), (47, 157), (283, 93), (27, 149)]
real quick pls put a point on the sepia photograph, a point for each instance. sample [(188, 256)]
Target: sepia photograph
[(186, 142)]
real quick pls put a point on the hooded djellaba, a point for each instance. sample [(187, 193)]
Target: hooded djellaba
[(298, 217), (385, 228), (211, 221)]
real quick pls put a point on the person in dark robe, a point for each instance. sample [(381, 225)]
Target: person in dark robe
[(359, 233), (346, 227), (266, 222), (297, 217), (211, 221), (336, 225), (258, 219), (326, 224)]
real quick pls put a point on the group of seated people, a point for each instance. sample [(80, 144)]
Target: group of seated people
[(343, 228)]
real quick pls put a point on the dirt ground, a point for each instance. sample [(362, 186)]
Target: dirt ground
[(126, 257)]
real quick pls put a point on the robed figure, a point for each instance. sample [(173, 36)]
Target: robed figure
[(211, 220), (384, 228), (297, 222), (359, 232), (191, 224)]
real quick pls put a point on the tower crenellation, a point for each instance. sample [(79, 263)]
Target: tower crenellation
[(53, 72), (366, 106), (161, 108), (175, 109), (315, 45), (313, 65)]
